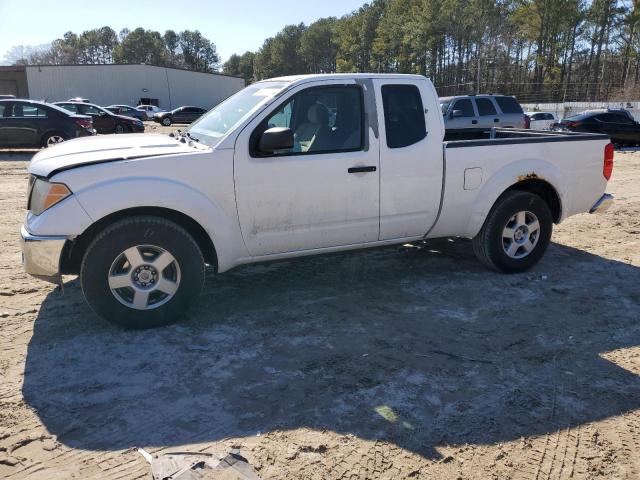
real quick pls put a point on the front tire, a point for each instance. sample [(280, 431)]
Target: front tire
[(121, 129), (142, 272), (166, 122), (515, 234)]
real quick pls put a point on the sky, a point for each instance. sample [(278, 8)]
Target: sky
[(235, 26)]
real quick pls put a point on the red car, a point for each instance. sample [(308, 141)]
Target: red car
[(104, 121)]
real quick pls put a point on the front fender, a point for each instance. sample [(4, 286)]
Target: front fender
[(509, 175), (110, 196)]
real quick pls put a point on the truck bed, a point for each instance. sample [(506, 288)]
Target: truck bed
[(506, 136), (480, 168)]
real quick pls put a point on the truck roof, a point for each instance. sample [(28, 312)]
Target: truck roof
[(338, 76)]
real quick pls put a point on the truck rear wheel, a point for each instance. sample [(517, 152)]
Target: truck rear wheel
[(515, 234), (142, 272)]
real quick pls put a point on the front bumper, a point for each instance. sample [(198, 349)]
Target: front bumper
[(41, 255), (603, 204)]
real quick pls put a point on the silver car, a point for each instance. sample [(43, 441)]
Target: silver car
[(482, 112)]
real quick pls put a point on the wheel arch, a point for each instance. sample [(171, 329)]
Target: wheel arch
[(536, 176), (74, 249), (544, 190)]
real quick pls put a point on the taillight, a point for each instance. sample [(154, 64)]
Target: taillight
[(573, 124), (607, 169), (527, 121), (84, 122)]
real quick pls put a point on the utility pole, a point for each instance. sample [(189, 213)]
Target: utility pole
[(478, 74)]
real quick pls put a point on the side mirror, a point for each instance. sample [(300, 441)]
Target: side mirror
[(276, 138), (457, 113)]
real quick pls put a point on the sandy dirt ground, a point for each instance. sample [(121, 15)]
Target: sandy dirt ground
[(391, 363)]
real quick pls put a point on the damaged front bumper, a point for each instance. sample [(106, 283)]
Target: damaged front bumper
[(603, 204), (41, 255)]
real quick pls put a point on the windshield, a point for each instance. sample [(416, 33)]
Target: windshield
[(216, 123)]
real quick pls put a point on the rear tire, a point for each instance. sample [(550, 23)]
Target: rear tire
[(52, 138), (122, 129), (142, 272), (515, 234)]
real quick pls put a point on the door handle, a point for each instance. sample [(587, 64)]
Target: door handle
[(362, 169), (474, 122)]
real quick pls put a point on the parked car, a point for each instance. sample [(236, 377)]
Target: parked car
[(127, 111), (150, 110), (270, 173), (104, 121), (620, 126), (29, 124), (6, 97), (482, 112), (179, 115), (541, 120), (79, 99)]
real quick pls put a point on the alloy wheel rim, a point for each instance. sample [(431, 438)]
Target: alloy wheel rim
[(144, 277), (54, 139), (521, 234)]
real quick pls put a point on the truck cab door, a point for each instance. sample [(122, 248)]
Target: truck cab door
[(322, 192), (411, 157)]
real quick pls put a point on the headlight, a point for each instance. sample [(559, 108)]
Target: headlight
[(45, 194)]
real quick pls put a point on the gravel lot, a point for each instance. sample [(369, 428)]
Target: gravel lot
[(391, 363)]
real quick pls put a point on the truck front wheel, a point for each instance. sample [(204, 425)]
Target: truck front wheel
[(142, 272), (515, 234)]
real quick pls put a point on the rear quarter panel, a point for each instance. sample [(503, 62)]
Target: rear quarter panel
[(573, 168)]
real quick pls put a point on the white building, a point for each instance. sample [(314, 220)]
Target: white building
[(129, 84)]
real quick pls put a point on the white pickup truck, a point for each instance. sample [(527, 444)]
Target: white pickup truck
[(289, 167)]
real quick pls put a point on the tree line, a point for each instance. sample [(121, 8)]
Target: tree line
[(187, 49), (538, 50)]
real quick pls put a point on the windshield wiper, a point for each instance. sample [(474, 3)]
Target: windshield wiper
[(191, 137), (182, 135)]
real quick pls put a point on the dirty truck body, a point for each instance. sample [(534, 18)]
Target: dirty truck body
[(290, 167)]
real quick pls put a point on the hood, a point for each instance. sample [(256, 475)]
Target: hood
[(104, 148)]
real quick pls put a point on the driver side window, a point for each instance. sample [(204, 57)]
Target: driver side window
[(322, 120)]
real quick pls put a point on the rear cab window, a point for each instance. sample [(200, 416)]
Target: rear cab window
[(403, 115), (508, 105)]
